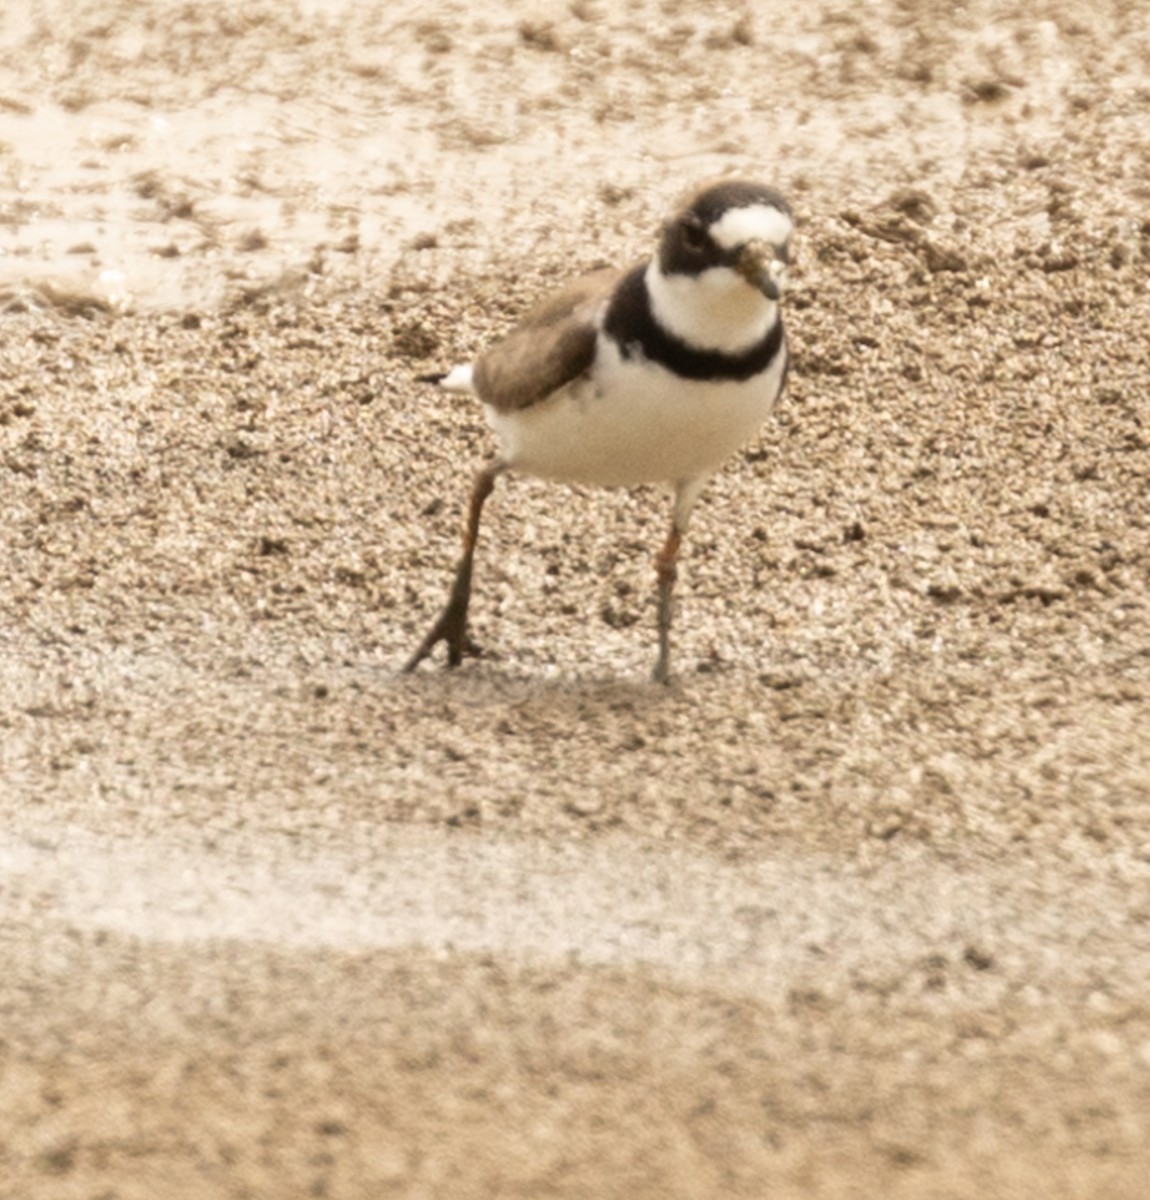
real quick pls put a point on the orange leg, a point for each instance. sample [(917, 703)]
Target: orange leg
[(451, 624), (667, 571)]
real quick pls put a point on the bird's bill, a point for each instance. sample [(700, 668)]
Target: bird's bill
[(761, 267)]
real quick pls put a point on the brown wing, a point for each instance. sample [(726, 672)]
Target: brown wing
[(553, 345)]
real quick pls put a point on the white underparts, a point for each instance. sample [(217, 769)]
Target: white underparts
[(634, 422)]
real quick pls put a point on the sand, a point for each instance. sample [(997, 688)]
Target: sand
[(860, 904)]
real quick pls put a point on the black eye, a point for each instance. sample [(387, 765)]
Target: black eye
[(694, 235)]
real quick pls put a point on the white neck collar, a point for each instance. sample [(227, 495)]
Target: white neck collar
[(716, 310)]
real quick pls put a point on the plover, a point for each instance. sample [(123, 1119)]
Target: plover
[(654, 375)]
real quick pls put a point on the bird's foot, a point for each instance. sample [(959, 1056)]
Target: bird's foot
[(662, 671), (450, 627)]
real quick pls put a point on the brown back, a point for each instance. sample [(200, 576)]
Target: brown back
[(553, 345)]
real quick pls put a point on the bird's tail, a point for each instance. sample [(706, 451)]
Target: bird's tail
[(458, 379)]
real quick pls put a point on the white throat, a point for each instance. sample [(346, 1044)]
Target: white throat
[(716, 310)]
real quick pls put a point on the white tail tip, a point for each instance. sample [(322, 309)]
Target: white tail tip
[(458, 379)]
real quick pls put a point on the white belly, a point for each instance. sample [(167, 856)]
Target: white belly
[(634, 422)]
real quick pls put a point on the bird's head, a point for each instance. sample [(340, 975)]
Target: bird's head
[(730, 230), (721, 264)]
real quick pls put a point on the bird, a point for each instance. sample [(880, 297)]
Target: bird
[(653, 374)]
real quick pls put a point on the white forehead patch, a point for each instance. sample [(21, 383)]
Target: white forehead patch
[(737, 226)]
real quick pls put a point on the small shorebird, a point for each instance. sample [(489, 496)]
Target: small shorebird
[(656, 374)]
